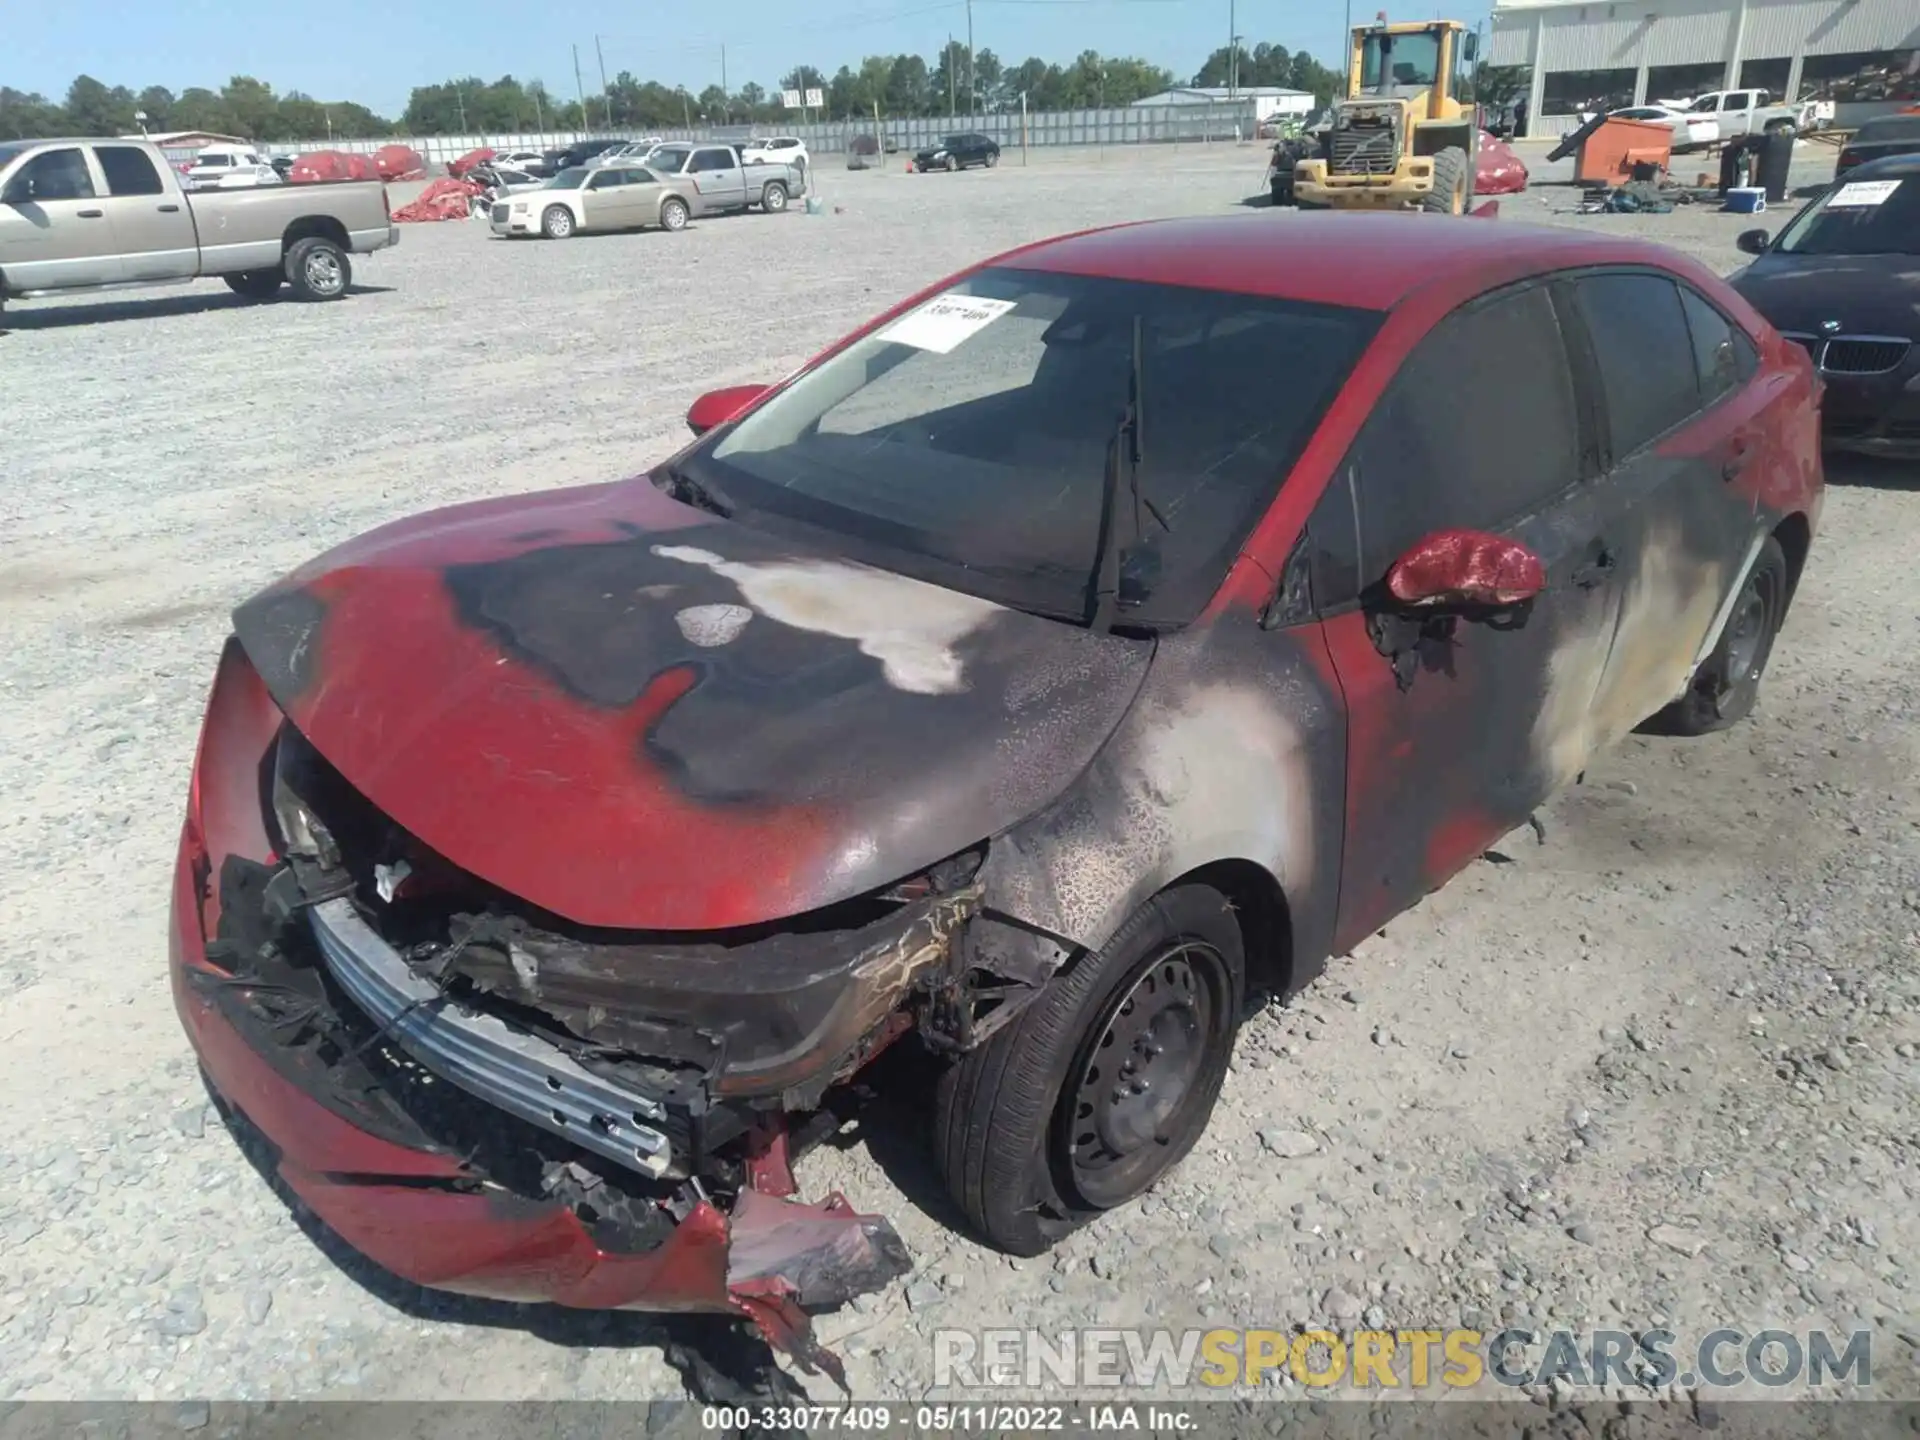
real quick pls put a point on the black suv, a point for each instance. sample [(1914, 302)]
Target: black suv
[(957, 152), (578, 153)]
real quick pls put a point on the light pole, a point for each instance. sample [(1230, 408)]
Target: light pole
[(1233, 50)]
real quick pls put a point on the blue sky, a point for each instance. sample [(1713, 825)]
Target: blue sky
[(375, 52)]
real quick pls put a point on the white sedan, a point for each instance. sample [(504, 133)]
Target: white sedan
[(1689, 131)]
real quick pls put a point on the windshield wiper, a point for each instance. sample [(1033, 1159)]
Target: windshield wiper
[(1125, 446), (697, 493)]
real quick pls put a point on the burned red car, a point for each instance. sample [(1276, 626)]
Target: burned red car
[(1111, 633)]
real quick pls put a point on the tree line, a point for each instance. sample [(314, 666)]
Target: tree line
[(895, 85)]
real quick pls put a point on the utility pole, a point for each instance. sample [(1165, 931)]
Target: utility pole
[(580, 86), (723, 81), (950, 99), (1233, 51), (606, 100), (460, 99)]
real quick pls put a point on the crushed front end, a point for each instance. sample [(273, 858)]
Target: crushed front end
[(488, 1099)]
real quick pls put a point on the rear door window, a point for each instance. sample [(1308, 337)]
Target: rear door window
[(129, 170), (1645, 355), (1723, 356), (1480, 428)]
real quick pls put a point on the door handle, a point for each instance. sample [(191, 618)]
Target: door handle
[(1735, 462), (1596, 571), (90, 214), (169, 209)]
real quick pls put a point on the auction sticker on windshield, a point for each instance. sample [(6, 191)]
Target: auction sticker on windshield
[(940, 325), (1863, 192)]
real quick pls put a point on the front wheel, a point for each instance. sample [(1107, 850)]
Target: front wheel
[(1450, 179), (557, 223), (1106, 1081), (256, 284), (318, 269), (673, 214), (1724, 688), (993, 159), (773, 199), (952, 164)]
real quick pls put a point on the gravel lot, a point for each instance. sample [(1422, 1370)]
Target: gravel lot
[(1659, 1066)]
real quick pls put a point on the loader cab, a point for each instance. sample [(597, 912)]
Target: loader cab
[(1416, 63)]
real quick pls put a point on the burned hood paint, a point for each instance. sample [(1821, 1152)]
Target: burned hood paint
[(1865, 294), (634, 714)]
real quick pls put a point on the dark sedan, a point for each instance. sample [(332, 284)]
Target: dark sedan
[(957, 152), (1842, 281), (1880, 139)]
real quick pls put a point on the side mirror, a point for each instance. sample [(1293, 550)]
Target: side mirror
[(1466, 569), (716, 407), (1753, 242)]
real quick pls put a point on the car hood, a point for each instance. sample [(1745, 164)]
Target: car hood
[(1866, 294), (633, 714)]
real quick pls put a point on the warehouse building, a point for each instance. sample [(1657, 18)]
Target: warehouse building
[(1597, 55), (1268, 101)]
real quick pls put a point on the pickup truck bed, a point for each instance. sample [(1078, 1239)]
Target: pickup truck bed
[(94, 214)]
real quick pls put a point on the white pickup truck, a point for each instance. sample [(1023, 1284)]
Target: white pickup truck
[(97, 214), (1747, 112)]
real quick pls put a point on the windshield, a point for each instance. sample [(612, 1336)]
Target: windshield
[(570, 179), (970, 441), (10, 153), (1705, 105), (1859, 217), (1410, 60)]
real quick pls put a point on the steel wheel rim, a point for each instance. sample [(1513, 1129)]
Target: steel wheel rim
[(322, 269), (1140, 1076), (1747, 632)]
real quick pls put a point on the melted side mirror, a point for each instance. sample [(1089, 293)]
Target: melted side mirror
[(1466, 570), (716, 407), (1753, 242)]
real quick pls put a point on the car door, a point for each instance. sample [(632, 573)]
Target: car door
[(54, 230), (1459, 727), (1736, 113), (152, 229), (600, 201), (1681, 421), (718, 178)]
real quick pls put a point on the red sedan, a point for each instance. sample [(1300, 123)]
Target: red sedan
[(1112, 631)]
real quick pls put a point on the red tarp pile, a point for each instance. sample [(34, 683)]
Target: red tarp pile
[(323, 165), (459, 168), (442, 200), (1499, 171), (399, 162)]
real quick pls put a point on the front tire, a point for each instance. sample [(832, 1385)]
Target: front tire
[(1724, 688), (256, 284), (557, 223), (952, 164), (1450, 183), (993, 159), (673, 214), (773, 199), (318, 269), (1106, 1081)]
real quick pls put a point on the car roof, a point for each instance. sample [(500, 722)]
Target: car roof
[(1367, 260), (1889, 127), (1885, 166)]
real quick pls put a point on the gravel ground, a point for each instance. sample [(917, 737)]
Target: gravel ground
[(1659, 1065)]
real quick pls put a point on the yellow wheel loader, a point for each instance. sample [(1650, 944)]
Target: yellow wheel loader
[(1400, 140)]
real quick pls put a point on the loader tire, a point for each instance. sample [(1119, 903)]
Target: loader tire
[(1450, 183)]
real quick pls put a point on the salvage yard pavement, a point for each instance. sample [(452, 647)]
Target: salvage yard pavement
[(1655, 1068)]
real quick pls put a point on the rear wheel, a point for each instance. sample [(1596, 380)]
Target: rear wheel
[(952, 164), (1104, 1084), (557, 223), (1450, 177), (256, 284), (673, 214), (773, 199), (318, 269), (1727, 683), (993, 158)]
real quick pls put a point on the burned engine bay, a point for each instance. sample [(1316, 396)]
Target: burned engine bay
[(654, 1086)]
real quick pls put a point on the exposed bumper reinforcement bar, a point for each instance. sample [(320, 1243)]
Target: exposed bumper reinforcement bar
[(520, 1073)]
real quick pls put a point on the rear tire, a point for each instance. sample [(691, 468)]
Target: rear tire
[(1106, 1081), (256, 284), (557, 223), (318, 269), (673, 214), (1724, 688), (952, 164), (1450, 183), (993, 159), (773, 199)]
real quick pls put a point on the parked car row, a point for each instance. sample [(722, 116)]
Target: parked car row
[(670, 185)]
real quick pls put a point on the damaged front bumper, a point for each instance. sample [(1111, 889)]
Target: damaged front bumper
[(463, 1140)]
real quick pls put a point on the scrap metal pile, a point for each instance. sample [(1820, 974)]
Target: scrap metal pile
[(447, 199), (1497, 170)]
